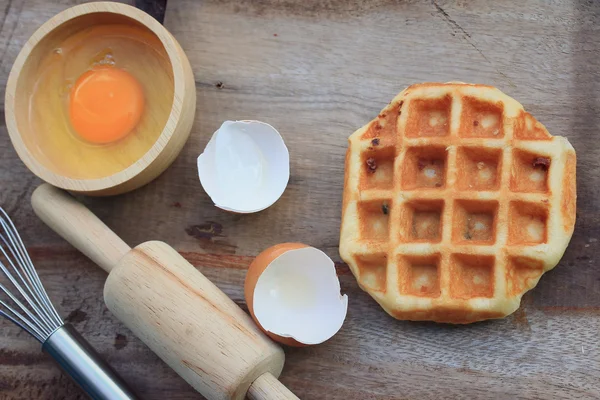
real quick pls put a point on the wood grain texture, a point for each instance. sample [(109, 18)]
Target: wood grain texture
[(22, 81), (317, 71), (82, 229), (190, 323), (267, 387), (175, 310)]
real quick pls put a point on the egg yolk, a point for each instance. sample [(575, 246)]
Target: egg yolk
[(105, 104)]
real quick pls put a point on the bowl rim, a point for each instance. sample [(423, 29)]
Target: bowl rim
[(111, 181)]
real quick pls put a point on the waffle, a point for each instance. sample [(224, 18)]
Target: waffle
[(456, 201)]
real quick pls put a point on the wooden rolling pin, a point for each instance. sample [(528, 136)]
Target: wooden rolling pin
[(166, 302)]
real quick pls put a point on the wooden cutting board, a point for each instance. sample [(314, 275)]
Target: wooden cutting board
[(318, 70)]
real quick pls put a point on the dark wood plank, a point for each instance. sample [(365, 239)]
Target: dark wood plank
[(317, 71), (156, 8)]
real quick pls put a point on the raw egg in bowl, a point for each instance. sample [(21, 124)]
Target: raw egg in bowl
[(100, 100)]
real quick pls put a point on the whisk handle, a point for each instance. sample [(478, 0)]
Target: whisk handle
[(78, 359), (78, 226)]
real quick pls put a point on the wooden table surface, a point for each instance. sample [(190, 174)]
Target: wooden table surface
[(317, 70)]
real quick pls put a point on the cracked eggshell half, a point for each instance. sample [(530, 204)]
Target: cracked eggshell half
[(293, 295), (245, 166)]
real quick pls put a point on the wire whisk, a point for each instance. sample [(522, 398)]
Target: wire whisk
[(29, 307), (38, 316)]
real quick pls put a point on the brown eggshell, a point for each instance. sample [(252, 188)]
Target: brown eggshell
[(260, 263)]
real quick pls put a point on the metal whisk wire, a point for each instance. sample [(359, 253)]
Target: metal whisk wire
[(38, 316), (32, 310)]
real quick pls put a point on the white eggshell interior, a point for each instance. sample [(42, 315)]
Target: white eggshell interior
[(298, 296), (245, 166)]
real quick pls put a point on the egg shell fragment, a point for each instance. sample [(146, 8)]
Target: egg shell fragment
[(245, 166), (293, 294)]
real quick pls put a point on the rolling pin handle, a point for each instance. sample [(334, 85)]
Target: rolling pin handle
[(78, 226), (267, 387)]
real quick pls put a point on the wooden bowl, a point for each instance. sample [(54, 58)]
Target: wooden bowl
[(164, 149)]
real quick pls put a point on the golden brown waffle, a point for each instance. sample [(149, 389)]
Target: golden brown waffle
[(456, 201)]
